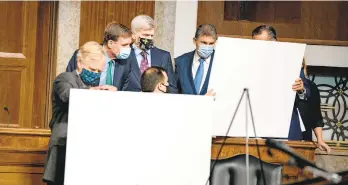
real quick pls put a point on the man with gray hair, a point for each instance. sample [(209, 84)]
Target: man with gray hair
[(144, 54), (193, 68)]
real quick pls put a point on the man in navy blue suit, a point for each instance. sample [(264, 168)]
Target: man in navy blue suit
[(144, 54), (116, 46), (193, 68), (301, 86)]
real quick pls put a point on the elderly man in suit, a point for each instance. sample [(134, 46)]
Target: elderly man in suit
[(301, 86), (144, 54), (193, 68), (116, 45), (90, 64)]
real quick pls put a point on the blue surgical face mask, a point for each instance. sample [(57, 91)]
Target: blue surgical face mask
[(124, 53), (90, 78), (205, 51)]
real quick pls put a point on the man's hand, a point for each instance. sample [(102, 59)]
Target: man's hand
[(210, 93), (108, 88), (105, 88), (323, 146), (298, 85)]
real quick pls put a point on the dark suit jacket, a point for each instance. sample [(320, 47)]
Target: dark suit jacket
[(183, 71), (121, 73), (294, 118), (310, 112), (159, 58), (54, 168)]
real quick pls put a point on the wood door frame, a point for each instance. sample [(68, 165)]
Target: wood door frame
[(50, 69), (52, 60)]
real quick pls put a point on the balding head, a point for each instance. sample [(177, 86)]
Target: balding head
[(154, 79), (264, 32)]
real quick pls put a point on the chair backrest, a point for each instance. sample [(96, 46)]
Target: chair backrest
[(232, 171)]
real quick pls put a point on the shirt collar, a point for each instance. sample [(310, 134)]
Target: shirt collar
[(137, 50), (196, 57), (107, 58)]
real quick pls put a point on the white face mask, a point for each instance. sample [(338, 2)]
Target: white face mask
[(124, 53), (205, 51)]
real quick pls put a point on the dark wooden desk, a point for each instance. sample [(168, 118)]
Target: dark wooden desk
[(235, 146)]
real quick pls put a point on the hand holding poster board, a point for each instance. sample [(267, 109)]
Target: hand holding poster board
[(268, 69)]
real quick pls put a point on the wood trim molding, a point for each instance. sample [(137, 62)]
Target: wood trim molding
[(305, 41), (12, 55), (23, 131), (51, 70), (241, 141)]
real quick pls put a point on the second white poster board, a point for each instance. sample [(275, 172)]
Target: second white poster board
[(268, 70)]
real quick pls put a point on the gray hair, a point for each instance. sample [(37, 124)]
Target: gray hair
[(142, 22), (206, 30)]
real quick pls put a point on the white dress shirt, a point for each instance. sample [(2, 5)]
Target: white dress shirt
[(195, 66)]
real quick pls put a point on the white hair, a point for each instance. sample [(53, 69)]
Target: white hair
[(141, 22)]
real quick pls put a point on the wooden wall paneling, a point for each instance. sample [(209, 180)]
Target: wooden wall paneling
[(26, 62), (96, 14), (45, 59), (343, 21), (324, 23), (22, 156), (17, 51)]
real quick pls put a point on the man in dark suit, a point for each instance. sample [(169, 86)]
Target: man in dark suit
[(311, 115), (116, 45), (193, 68), (90, 64), (301, 86), (144, 54)]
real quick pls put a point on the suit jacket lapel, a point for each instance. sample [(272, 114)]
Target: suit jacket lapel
[(206, 81), (189, 70), (155, 61), (79, 82), (117, 73), (134, 65)]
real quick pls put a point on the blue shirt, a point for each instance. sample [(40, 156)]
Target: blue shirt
[(104, 73), (139, 57)]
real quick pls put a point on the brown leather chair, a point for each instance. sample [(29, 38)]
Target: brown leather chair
[(232, 171)]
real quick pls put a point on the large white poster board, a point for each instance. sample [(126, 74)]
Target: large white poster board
[(138, 138), (268, 70)]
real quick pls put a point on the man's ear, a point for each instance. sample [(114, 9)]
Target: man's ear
[(109, 43), (79, 63), (134, 36), (194, 41)]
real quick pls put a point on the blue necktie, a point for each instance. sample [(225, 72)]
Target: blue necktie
[(199, 75)]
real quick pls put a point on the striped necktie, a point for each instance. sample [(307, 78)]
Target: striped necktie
[(144, 64)]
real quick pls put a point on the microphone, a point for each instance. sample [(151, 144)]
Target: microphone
[(8, 115), (301, 162)]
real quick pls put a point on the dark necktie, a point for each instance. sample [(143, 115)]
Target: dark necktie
[(144, 64)]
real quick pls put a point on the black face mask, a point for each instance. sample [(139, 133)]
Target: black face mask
[(145, 44)]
